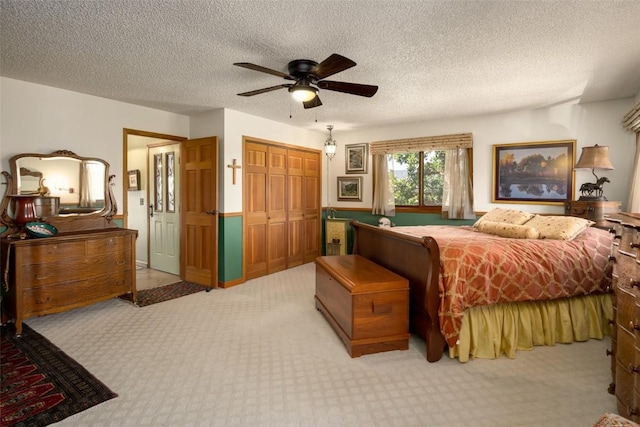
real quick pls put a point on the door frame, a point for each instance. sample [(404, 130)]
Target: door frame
[(126, 132)]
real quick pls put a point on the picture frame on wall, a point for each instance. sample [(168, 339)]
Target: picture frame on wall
[(534, 172), (350, 188), (356, 158), (134, 180)]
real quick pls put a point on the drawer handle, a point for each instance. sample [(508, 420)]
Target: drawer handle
[(609, 352), (612, 259), (43, 301), (634, 245), (633, 326), (634, 283), (46, 276), (612, 322), (121, 262), (634, 369)]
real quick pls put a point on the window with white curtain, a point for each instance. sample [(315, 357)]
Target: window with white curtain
[(429, 174)]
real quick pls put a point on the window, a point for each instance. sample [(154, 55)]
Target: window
[(425, 174), (418, 178)]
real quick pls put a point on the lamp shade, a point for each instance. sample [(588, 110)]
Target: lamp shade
[(596, 157)]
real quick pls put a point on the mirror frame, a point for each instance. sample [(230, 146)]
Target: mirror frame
[(64, 221)]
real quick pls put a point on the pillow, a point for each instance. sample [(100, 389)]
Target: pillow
[(514, 231), (609, 419), (509, 216), (559, 227)]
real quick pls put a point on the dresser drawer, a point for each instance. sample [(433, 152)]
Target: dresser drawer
[(70, 269), (62, 296), (625, 269), (626, 303), (629, 242), (108, 245), (52, 252)]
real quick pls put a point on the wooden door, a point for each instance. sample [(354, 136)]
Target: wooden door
[(311, 208), (295, 205), (277, 210), (199, 217), (255, 209)]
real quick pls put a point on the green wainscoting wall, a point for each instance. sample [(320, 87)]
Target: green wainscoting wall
[(399, 219), (229, 248)]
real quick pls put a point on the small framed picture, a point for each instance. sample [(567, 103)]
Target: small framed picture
[(350, 188), (134, 180), (356, 158)]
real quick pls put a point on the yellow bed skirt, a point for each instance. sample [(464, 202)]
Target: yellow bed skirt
[(491, 331)]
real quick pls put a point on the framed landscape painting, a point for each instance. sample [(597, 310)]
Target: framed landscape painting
[(534, 172), (350, 188), (356, 158)]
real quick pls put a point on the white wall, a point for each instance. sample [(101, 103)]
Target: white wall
[(230, 126), (590, 124), (42, 119)]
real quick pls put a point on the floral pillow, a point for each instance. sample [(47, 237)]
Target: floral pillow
[(614, 420), (559, 227), (514, 231), (509, 216)]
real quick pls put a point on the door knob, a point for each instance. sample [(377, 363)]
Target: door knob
[(211, 212)]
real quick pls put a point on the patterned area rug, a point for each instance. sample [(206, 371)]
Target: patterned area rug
[(41, 385), (165, 293)]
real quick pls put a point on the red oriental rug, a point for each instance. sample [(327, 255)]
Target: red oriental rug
[(41, 385)]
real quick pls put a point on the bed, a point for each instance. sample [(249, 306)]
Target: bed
[(467, 297)]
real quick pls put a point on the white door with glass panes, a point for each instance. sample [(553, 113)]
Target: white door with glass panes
[(164, 210)]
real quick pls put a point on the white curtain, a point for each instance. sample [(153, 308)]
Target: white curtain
[(631, 122), (634, 191), (457, 192), (86, 194), (383, 195)]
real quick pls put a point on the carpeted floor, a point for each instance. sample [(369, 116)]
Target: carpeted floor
[(165, 293), (41, 385)]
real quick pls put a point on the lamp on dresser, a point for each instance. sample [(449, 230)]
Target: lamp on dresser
[(596, 157), (592, 204)]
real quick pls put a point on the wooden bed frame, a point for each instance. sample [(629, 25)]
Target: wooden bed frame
[(416, 259)]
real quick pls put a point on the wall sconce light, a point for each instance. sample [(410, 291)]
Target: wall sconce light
[(596, 157)]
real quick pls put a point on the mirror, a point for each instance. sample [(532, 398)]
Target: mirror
[(78, 184), (66, 185)]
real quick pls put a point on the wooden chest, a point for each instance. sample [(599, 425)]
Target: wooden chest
[(366, 304), (66, 271)]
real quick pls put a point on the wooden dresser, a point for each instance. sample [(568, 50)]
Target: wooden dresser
[(626, 338), (593, 210), (69, 270), (366, 304)]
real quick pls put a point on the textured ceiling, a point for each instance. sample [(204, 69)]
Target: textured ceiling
[(431, 59)]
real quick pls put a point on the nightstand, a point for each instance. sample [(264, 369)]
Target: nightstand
[(593, 210), (335, 230)]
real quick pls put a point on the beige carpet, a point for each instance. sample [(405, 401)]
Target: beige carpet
[(259, 354)]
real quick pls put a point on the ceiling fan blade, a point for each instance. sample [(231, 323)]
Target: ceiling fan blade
[(263, 70), (351, 88), (315, 102), (332, 65), (265, 90)]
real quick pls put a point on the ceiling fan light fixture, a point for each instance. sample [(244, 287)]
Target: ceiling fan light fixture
[(303, 93)]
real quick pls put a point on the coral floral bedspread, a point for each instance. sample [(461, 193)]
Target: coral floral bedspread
[(481, 269)]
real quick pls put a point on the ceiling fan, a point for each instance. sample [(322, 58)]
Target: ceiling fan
[(308, 76)]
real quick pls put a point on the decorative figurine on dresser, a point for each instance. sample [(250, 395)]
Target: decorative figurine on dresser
[(625, 342), (60, 248)]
